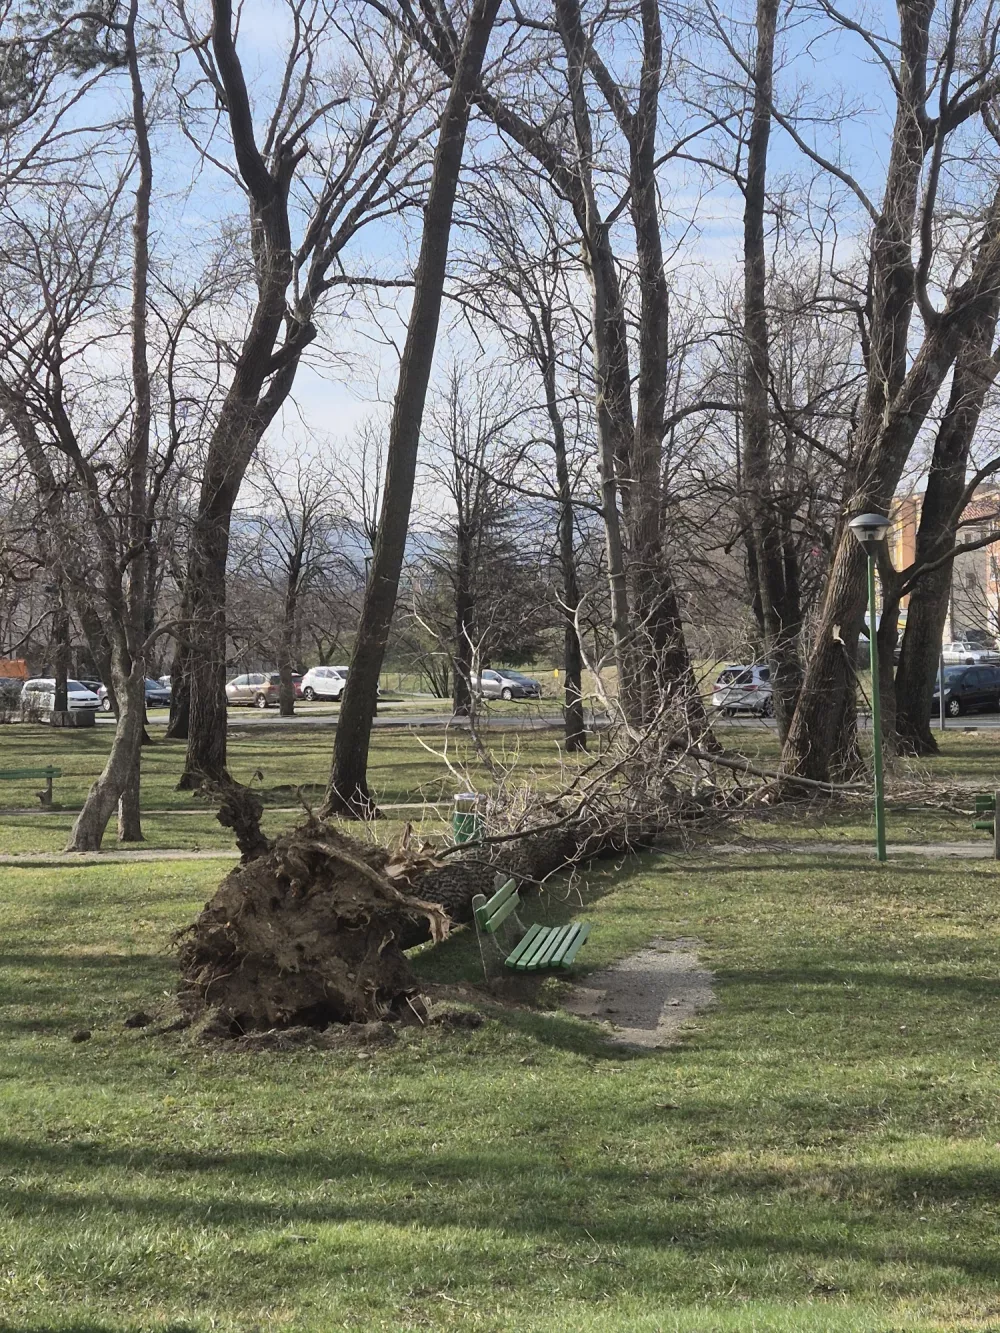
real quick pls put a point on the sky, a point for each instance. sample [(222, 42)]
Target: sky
[(826, 74)]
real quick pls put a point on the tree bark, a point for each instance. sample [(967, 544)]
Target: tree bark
[(778, 616), (975, 372), (826, 700), (348, 790), (465, 606), (60, 634), (286, 665), (118, 784), (180, 681), (573, 720)]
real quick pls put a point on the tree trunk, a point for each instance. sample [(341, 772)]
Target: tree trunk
[(129, 814), (180, 683), (97, 641), (780, 622), (885, 447), (286, 691), (975, 371), (612, 378), (465, 607), (206, 597), (60, 633), (120, 773), (348, 790), (576, 734)]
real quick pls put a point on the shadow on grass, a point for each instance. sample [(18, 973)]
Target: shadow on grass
[(88, 1326), (529, 1193)]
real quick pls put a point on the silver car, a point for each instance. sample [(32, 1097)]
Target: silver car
[(744, 689), (505, 684), (968, 654)]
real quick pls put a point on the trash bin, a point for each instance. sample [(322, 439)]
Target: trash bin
[(467, 820)]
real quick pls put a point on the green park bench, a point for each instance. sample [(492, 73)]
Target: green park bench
[(986, 804), (19, 774), (538, 947), (985, 820)]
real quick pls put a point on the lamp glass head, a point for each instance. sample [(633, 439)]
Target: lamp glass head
[(869, 529)]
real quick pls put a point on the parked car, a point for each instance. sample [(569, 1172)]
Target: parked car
[(968, 653), (258, 689), (39, 696), (973, 689), (744, 689), (324, 682), (156, 696), (504, 684)]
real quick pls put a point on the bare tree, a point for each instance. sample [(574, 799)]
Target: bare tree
[(904, 376), (519, 280), (65, 268), (348, 789), (369, 118), (294, 529)]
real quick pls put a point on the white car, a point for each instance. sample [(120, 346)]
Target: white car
[(968, 654), (744, 689), (324, 682), (39, 696)]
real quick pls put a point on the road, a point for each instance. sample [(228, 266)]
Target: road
[(390, 718)]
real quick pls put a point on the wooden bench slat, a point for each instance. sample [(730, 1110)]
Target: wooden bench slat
[(529, 962), (492, 919), (483, 907), (572, 930), (554, 943), (984, 803), (12, 774), (513, 958), (576, 945)]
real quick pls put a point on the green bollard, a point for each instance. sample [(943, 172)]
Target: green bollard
[(467, 822)]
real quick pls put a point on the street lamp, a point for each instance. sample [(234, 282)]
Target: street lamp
[(870, 530)]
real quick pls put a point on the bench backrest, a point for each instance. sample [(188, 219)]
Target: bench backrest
[(11, 774), (492, 912), (985, 803)]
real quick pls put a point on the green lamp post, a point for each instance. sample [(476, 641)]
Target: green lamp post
[(870, 530)]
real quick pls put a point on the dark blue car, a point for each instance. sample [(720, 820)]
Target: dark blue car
[(157, 696), (968, 689)]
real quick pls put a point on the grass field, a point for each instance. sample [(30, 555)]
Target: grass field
[(408, 767), (819, 1153), (278, 763)]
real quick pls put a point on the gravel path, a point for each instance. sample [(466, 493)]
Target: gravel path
[(647, 997), (965, 851)]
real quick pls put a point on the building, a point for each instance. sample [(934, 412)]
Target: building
[(974, 603)]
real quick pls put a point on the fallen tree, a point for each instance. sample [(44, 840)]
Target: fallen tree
[(311, 929)]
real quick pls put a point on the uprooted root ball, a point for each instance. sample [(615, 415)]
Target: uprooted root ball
[(306, 934)]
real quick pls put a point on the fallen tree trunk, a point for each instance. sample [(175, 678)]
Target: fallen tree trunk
[(311, 930)]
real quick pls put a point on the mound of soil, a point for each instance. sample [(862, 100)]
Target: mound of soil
[(306, 935)]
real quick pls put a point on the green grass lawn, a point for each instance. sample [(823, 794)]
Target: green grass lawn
[(401, 769), (409, 767), (820, 1152)]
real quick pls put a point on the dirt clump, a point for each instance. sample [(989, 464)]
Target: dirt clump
[(306, 935)]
